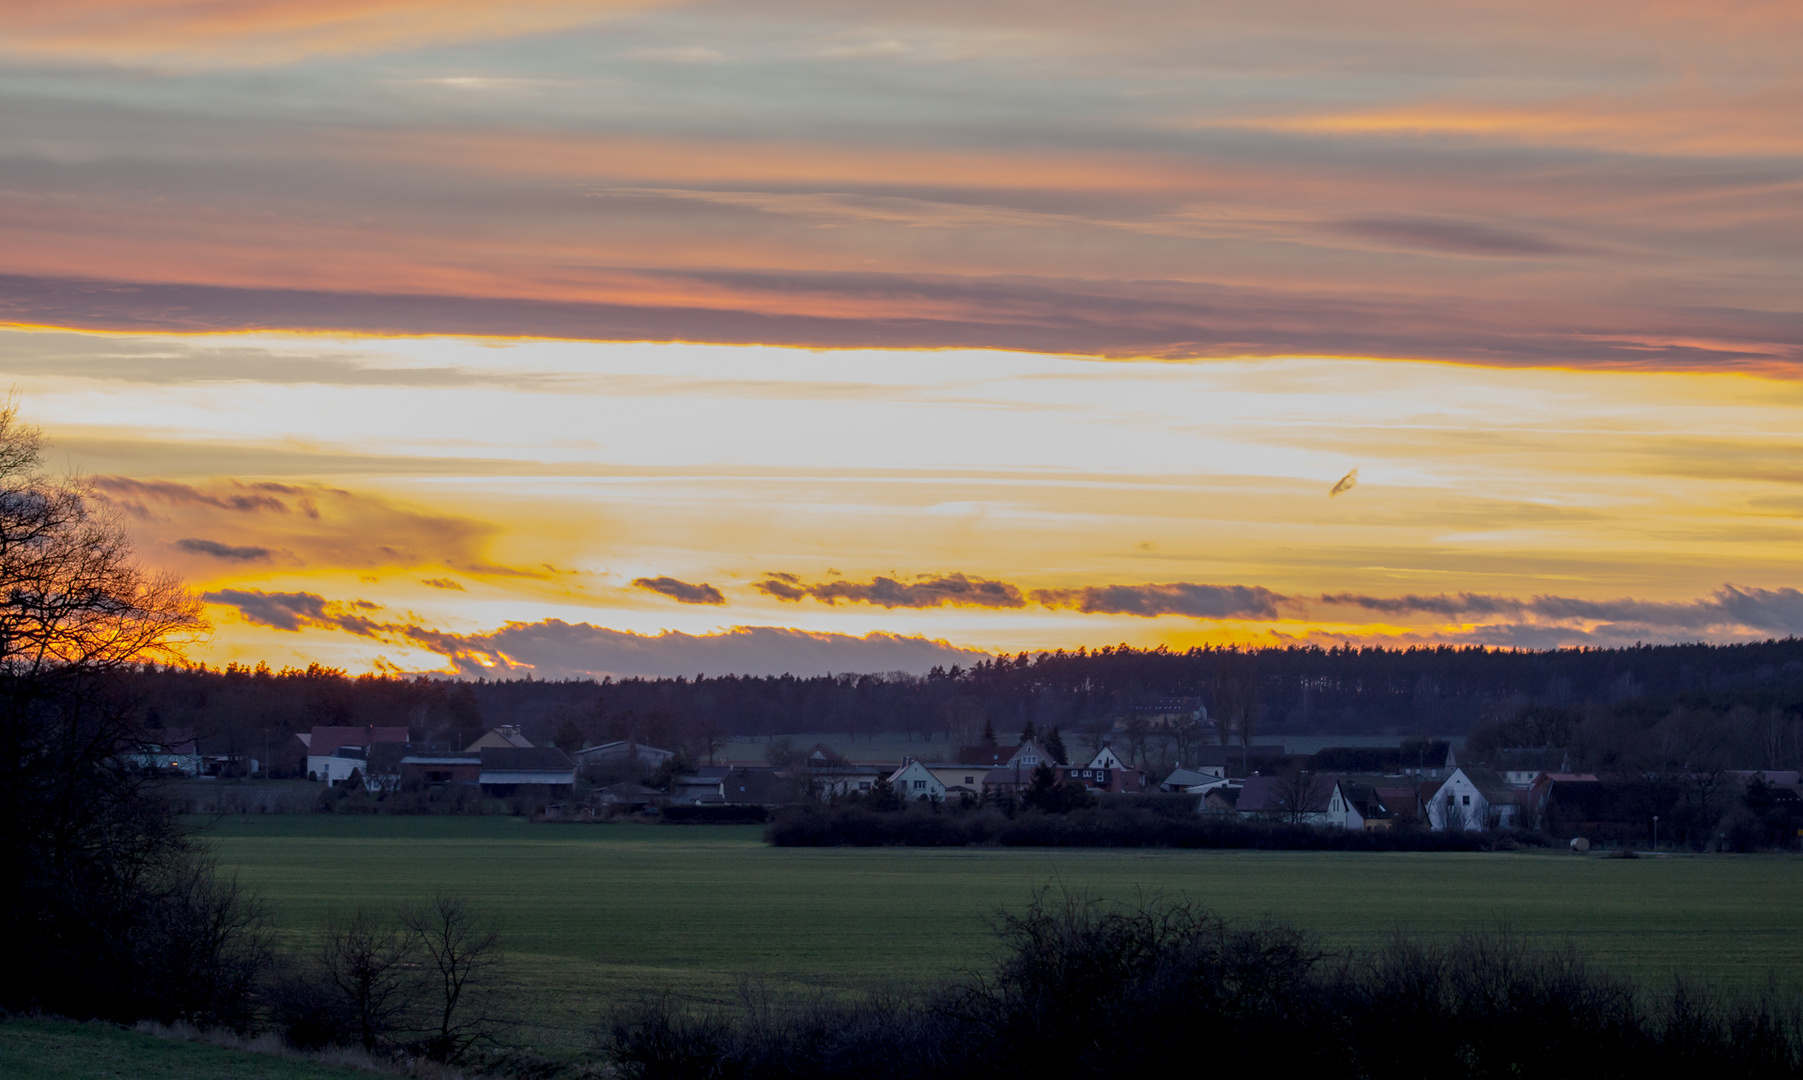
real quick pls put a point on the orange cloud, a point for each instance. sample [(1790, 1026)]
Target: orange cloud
[(248, 32)]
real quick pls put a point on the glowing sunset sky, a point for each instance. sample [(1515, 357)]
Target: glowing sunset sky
[(611, 337)]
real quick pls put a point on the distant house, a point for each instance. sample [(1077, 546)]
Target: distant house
[(1224, 799), (829, 780), (168, 752), (1365, 808), (1184, 779), (759, 787), (1403, 804), (1016, 771), (1474, 799), (823, 756), (624, 753), (334, 752), (1105, 772), (984, 756), (516, 770), (498, 737), (915, 781), (435, 768), (703, 787), (1520, 767), (1305, 799)]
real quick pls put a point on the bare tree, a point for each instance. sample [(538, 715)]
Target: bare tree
[(369, 963), (84, 848), (461, 953)]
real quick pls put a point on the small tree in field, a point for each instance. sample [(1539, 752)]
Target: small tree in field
[(459, 954)]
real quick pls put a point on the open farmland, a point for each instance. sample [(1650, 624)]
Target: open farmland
[(599, 913)]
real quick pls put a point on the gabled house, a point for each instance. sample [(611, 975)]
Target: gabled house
[(437, 768), (703, 787), (333, 752), (1106, 758), (915, 781), (1299, 799), (505, 735), (1365, 808), (1016, 773), (1474, 799)]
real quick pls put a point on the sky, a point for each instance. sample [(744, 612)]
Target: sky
[(614, 337)]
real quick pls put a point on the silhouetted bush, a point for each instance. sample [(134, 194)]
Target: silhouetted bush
[(1086, 989)]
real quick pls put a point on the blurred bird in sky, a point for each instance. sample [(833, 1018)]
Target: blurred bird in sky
[(1347, 483)]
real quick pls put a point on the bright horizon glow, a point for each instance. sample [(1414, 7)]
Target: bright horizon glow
[(460, 486)]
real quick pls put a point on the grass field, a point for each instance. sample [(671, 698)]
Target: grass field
[(596, 914), (33, 1049)]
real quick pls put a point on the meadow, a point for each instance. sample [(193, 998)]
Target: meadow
[(596, 915)]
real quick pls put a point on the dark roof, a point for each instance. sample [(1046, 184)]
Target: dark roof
[(326, 740), (1491, 785), (760, 786), (1268, 794), (525, 759), (990, 756), (1365, 799)]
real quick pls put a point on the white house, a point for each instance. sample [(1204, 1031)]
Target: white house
[(1474, 799), (1106, 758), (915, 781)]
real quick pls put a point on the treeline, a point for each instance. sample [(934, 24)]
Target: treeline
[(1626, 700), (1085, 989)]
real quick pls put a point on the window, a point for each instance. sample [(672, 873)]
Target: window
[(1467, 800), (970, 780), (919, 784), (864, 785)]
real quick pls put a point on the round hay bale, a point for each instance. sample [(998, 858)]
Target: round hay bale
[(1580, 845)]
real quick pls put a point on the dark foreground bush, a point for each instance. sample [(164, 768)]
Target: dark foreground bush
[(1116, 825), (1085, 989)]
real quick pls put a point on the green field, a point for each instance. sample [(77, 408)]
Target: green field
[(60, 1050), (598, 914)]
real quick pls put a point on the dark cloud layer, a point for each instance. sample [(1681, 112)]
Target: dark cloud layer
[(681, 591), (945, 590), (244, 553), (1177, 598), (1059, 315), (1774, 611)]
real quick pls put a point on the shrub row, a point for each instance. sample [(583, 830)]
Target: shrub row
[(1091, 990), (1115, 826)]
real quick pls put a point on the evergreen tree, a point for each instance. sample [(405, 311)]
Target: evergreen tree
[(988, 733), (1028, 733), (1054, 745)]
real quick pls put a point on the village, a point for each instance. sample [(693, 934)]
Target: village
[(1422, 785)]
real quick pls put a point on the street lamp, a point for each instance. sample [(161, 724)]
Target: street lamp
[(1655, 832)]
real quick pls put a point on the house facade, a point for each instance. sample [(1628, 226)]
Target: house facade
[(914, 781), (1472, 800), (334, 752)]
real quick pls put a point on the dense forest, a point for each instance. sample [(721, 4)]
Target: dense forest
[(1242, 694)]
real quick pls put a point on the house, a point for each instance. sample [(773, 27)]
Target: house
[(1106, 772), (1402, 803), (334, 751), (985, 755), (1473, 799), (1106, 758), (823, 756), (754, 786), (915, 781), (623, 753), (168, 752), (517, 770), (1224, 799), (1297, 798), (1365, 809), (829, 780), (502, 736), (1521, 766), (1016, 772), (436, 768), (701, 787)]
